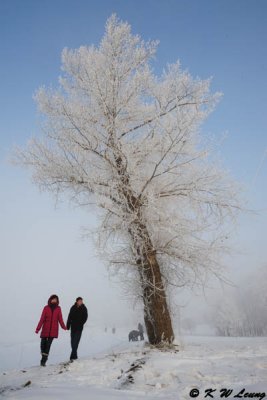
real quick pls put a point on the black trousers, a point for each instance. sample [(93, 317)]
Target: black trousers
[(45, 345), (75, 337)]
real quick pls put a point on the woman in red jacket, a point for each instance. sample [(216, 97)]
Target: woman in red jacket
[(50, 318)]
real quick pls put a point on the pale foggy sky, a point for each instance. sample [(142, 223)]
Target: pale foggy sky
[(41, 247)]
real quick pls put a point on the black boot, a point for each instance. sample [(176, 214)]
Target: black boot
[(44, 359)]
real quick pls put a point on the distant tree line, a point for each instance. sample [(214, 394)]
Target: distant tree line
[(243, 312)]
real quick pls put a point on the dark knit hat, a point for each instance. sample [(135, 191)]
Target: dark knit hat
[(79, 298)]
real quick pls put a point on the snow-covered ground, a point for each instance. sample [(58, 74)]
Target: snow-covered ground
[(201, 362)]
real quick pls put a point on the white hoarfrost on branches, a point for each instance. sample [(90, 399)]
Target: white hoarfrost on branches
[(241, 311), (118, 136)]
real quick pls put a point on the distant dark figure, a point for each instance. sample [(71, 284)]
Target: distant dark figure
[(113, 330), (141, 331), (50, 318), (133, 336), (77, 317)]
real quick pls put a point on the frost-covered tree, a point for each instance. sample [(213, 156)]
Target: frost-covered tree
[(242, 310), (118, 136), (227, 318)]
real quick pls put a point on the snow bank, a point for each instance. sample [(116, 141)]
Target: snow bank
[(202, 363)]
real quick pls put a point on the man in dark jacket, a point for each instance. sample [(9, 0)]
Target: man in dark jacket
[(77, 317)]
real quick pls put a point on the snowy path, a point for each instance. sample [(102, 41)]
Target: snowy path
[(203, 363)]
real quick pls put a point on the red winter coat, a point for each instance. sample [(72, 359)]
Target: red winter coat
[(49, 322)]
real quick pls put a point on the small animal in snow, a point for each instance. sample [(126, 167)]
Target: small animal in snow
[(133, 336)]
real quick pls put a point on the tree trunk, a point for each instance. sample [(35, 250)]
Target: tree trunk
[(156, 313)]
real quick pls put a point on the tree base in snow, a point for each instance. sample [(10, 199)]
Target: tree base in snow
[(163, 346)]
